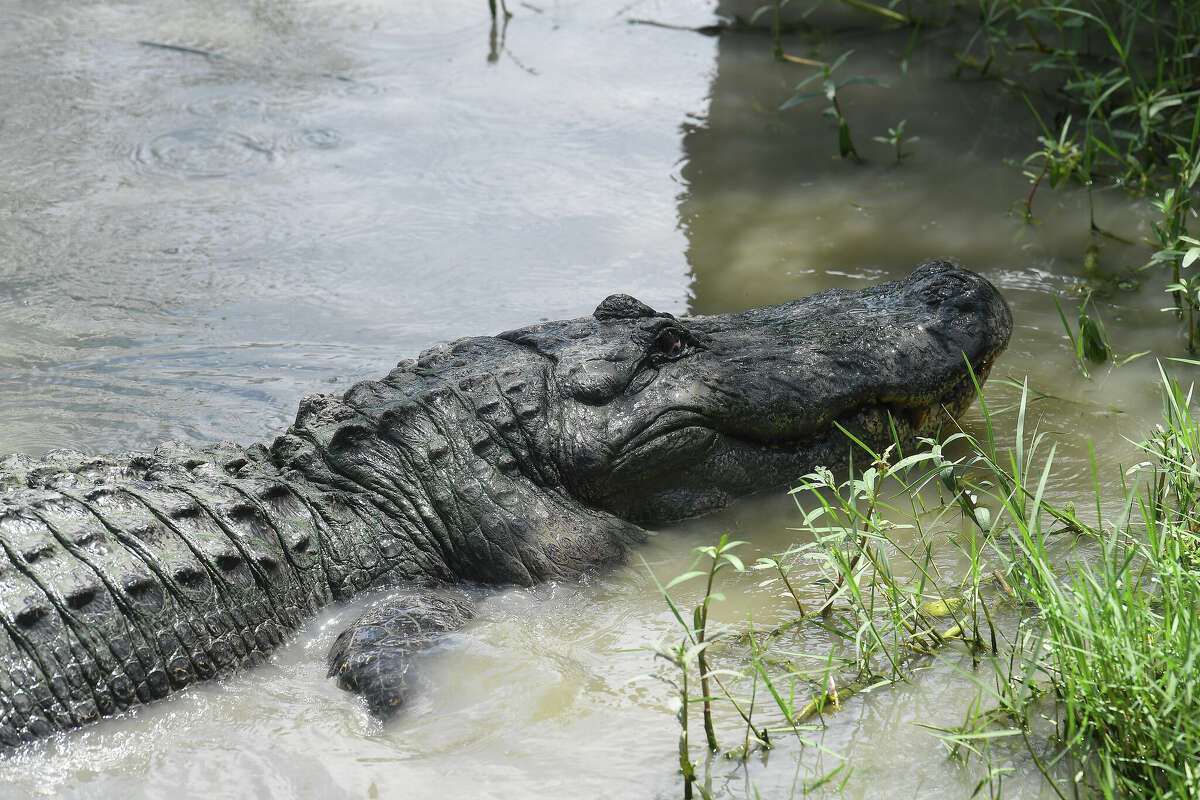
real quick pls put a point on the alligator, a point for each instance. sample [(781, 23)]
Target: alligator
[(536, 454)]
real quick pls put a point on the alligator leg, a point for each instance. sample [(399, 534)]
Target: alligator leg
[(370, 658)]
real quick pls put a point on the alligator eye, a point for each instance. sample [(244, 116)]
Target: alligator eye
[(670, 343)]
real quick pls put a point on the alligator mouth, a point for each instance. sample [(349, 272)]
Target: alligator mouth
[(663, 424), (907, 420)]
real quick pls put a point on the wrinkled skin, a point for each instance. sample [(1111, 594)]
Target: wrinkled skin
[(531, 455)]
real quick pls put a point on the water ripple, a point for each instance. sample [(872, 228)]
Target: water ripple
[(204, 153), (226, 106), (312, 139)]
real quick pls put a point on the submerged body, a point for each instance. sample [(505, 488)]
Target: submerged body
[(530, 455)]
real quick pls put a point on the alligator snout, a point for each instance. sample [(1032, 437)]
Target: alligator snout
[(800, 365), (970, 315)]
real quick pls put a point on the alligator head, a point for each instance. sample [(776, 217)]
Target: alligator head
[(657, 418)]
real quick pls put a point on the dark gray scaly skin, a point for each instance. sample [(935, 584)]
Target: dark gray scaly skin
[(512, 459)]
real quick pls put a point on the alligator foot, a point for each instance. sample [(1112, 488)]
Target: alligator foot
[(370, 658)]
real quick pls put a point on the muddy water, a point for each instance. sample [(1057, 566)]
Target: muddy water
[(290, 195)]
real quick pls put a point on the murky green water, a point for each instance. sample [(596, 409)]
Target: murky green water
[(189, 243)]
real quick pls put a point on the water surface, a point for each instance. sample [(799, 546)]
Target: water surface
[(210, 208)]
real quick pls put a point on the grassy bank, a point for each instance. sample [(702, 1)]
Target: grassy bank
[(1079, 623)]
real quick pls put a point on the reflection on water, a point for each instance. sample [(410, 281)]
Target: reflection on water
[(293, 194)]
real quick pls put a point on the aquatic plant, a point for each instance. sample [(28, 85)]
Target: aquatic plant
[(1113, 641), (895, 138), (1128, 71), (1060, 159), (829, 90), (1091, 345), (1090, 675)]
